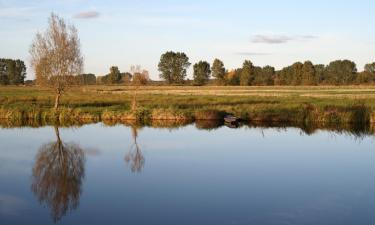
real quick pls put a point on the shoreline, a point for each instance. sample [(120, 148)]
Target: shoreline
[(287, 104), (304, 114)]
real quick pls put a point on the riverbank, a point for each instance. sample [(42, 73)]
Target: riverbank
[(352, 129), (302, 105)]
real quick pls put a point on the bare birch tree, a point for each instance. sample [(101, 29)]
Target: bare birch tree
[(140, 77), (56, 57)]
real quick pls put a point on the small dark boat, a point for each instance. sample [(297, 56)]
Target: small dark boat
[(230, 119)]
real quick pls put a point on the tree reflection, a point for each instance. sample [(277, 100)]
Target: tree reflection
[(134, 157), (57, 176)]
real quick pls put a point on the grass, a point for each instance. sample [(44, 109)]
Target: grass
[(318, 104)]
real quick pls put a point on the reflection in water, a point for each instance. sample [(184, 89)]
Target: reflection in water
[(208, 124), (134, 157), (57, 176), (357, 130)]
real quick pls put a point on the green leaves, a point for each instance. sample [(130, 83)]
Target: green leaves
[(218, 70), (247, 73), (173, 67), (114, 77), (202, 73), (12, 71)]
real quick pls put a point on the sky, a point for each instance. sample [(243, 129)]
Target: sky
[(267, 32)]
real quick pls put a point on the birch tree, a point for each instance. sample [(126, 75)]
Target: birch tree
[(56, 57)]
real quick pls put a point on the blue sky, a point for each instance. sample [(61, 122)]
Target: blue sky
[(124, 33)]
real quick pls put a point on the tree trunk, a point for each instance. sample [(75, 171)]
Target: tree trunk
[(57, 101)]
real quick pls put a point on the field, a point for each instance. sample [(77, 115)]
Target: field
[(324, 104)]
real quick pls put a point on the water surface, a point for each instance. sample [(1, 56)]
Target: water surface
[(97, 174)]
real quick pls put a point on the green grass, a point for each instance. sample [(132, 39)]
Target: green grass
[(284, 104)]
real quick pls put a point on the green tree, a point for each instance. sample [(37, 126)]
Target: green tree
[(3, 73), (370, 67), (126, 78), (297, 71), (264, 76), (308, 74), (341, 72), (365, 78), (4, 79), (202, 73), (232, 77), (114, 76), (87, 79), (247, 73), (12, 71), (283, 76), (268, 75), (218, 71), (320, 73), (173, 66)]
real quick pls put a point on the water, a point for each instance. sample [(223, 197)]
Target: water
[(99, 174)]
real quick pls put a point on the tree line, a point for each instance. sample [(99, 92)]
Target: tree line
[(115, 76), (12, 71), (173, 68)]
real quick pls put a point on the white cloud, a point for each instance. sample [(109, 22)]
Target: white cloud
[(280, 39), (87, 15)]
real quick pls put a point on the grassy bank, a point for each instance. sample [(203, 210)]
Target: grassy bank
[(302, 105)]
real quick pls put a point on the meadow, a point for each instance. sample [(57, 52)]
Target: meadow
[(302, 104)]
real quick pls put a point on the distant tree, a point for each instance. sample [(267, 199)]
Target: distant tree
[(263, 76), (173, 66), (308, 74), (12, 71), (56, 57), (3, 74), (233, 77), (140, 77), (368, 75), (4, 79), (126, 78), (87, 79), (202, 73), (218, 71), (341, 72), (297, 72), (320, 73), (268, 75), (247, 73), (370, 67), (365, 78), (101, 80), (114, 76), (282, 76), (258, 76)]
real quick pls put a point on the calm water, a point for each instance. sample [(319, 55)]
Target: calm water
[(97, 174)]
